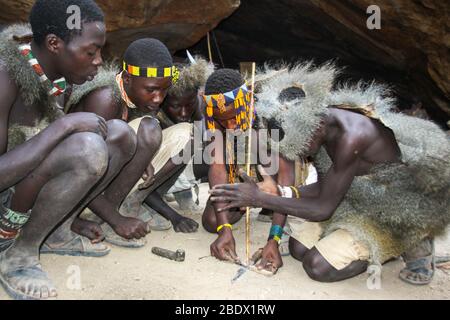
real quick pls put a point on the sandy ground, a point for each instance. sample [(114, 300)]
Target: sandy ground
[(139, 274)]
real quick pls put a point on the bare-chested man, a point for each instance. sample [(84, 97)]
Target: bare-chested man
[(48, 177), (383, 186), (135, 95), (184, 103), (224, 113)]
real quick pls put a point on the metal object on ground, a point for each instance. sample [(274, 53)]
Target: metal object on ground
[(255, 258), (178, 255), (239, 273)]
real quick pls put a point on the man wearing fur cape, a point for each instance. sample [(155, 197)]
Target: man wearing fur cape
[(183, 103), (51, 165), (384, 177), (134, 93)]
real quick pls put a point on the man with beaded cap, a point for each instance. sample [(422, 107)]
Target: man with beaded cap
[(227, 99), (383, 186), (183, 103), (135, 95), (55, 164)]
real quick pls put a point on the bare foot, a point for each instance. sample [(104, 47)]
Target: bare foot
[(23, 277), (91, 230), (113, 238)]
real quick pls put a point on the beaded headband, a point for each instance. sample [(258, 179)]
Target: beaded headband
[(162, 72), (240, 97)]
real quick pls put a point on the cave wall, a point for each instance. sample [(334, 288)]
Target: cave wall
[(178, 23), (410, 51)]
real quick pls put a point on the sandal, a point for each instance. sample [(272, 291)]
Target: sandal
[(155, 221), (77, 246), (140, 210), (186, 201), (419, 271)]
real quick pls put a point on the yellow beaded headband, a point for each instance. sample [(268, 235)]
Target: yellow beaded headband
[(152, 72)]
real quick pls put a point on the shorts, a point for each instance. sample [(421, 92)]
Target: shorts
[(339, 248)]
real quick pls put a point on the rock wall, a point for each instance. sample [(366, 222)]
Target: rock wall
[(410, 51), (414, 36), (178, 23)]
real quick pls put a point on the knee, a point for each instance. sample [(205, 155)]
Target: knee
[(296, 249), (89, 153), (209, 224), (316, 267), (150, 133), (122, 136), (209, 220)]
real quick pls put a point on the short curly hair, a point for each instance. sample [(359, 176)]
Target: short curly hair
[(50, 17), (148, 52), (222, 81)]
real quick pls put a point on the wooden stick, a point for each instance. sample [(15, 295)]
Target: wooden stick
[(209, 47), (249, 150)]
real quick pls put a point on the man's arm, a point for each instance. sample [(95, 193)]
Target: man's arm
[(100, 102), (271, 258), (223, 247), (8, 94), (217, 174), (310, 190), (19, 162), (332, 189), (286, 177)]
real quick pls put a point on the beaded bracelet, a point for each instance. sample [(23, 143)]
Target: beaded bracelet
[(224, 225), (276, 232), (297, 193)]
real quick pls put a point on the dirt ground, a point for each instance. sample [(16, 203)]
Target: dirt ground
[(139, 274)]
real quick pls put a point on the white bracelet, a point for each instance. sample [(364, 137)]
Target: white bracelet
[(285, 192)]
